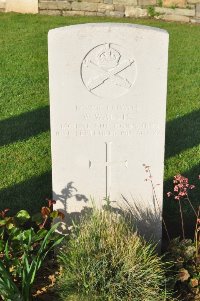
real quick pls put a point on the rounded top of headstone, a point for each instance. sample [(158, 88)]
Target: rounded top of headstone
[(110, 26)]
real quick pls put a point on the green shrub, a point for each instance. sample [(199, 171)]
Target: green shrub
[(104, 260)]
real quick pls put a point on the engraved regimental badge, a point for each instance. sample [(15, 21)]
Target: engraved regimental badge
[(108, 71)]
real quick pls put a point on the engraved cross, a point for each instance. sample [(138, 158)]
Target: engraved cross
[(108, 164)]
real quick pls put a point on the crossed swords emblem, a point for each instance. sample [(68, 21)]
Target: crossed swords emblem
[(111, 74)]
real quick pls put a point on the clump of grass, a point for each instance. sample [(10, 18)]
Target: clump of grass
[(104, 260)]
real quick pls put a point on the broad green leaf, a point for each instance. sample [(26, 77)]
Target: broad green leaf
[(2, 222), (40, 234), (54, 214), (22, 216), (9, 226), (26, 234), (15, 234)]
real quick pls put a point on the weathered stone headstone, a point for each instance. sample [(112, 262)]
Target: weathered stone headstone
[(108, 86)]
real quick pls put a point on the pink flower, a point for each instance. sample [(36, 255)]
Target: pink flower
[(169, 194), (181, 187), (182, 193), (176, 188)]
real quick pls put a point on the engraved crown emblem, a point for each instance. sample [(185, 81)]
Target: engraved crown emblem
[(108, 71), (108, 58)]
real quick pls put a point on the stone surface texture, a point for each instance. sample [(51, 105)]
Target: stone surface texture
[(22, 6), (169, 10), (136, 12), (198, 10), (108, 103), (174, 3), (176, 11), (147, 2), (2, 5)]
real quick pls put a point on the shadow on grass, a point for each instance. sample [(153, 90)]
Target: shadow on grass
[(182, 133), (29, 195), (24, 126)]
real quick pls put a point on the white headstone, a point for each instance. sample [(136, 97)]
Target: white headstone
[(108, 85)]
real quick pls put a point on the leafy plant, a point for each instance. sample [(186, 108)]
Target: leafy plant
[(151, 11), (185, 253), (8, 289), (25, 243), (104, 260), (160, 3), (186, 268), (174, 6)]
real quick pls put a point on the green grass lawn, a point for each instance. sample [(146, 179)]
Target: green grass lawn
[(25, 162)]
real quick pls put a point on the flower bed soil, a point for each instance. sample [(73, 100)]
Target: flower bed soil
[(43, 289)]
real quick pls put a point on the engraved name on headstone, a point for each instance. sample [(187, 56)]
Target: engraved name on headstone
[(108, 86)]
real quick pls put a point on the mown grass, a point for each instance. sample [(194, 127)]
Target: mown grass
[(25, 167)]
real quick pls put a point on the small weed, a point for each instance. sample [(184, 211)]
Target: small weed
[(160, 3), (152, 12), (174, 6)]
